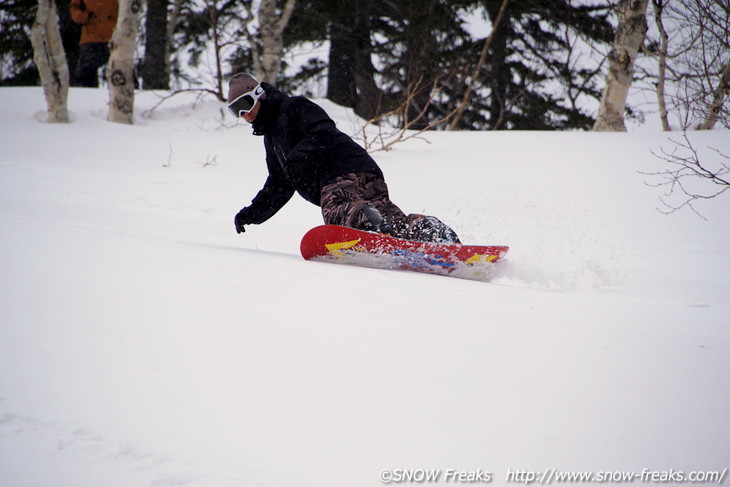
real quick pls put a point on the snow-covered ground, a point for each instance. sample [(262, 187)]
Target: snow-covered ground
[(144, 343)]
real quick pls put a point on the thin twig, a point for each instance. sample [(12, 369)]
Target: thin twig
[(685, 167)]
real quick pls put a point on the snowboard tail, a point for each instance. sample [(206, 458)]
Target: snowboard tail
[(350, 246)]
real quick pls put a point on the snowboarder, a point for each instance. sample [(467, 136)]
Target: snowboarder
[(306, 153)]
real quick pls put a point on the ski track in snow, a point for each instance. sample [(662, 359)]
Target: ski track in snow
[(58, 443)]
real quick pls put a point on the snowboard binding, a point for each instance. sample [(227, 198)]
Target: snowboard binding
[(377, 221)]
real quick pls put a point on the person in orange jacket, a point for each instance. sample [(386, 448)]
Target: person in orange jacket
[(98, 19)]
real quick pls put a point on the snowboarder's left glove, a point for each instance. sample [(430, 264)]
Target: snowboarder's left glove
[(242, 219)]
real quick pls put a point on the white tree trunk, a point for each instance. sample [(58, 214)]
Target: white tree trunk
[(272, 36), (50, 59), (120, 70), (629, 38), (662, 69), (718, 98)]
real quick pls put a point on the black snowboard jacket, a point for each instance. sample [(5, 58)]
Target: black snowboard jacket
[(304, 152)]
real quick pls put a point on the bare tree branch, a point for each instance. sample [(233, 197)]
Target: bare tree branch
[(384, 141), (688, 177)]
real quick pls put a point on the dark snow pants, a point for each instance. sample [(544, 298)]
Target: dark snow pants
[(343, 200), (92, 56)]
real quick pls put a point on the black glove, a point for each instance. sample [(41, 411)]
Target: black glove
[(242, 218)]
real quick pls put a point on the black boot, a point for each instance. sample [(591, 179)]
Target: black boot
[(376, 220)]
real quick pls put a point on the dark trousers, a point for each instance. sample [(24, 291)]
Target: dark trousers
[(92, 56), (343, 201)]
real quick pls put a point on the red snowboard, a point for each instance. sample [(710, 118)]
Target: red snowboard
[(349, 246)]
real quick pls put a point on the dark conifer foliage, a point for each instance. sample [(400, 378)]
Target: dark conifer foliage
[(418, 54)]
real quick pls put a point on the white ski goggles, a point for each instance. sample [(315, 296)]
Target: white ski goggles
[(245, 102)]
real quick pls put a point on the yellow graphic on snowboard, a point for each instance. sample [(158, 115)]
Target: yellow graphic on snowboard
[(480, 259), (338, 248)]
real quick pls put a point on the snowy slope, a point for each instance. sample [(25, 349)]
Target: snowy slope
[(143, 342)]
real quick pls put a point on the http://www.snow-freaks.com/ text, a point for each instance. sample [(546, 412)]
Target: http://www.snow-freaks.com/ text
[(550, 476)]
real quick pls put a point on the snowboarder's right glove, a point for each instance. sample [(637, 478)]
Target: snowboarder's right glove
[(242, 218)]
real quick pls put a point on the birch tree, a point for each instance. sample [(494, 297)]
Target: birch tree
[(721, 92), (693, 62), (630, 36), (662, 54), (272, 24), (120, 70), (50, 59), (712, 18)]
